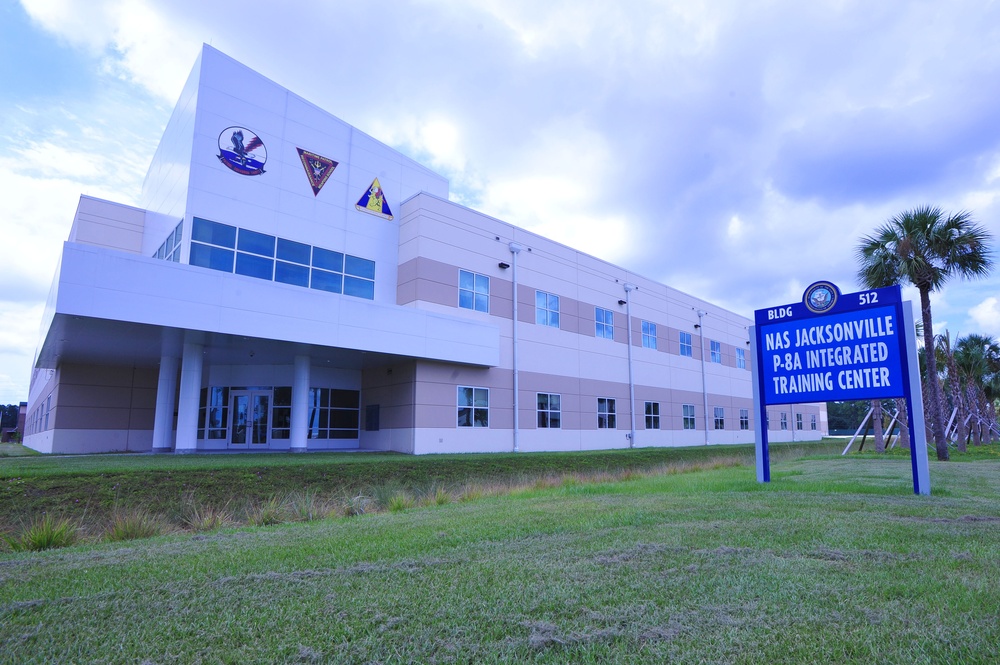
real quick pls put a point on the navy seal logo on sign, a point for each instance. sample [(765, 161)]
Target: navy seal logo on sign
[(242, 151), (820, 297)]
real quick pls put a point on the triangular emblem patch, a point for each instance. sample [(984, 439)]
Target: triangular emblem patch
[(373, 201), (318, 169)]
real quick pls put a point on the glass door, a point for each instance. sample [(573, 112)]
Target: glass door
[(249, 411)]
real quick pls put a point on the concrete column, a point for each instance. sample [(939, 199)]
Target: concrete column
[(166, 400), (300, 405), (187, 407)]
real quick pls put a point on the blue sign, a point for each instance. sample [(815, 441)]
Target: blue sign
[(834, 347), (846, 356)]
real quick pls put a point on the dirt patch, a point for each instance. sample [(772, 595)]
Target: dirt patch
[(639, 551)]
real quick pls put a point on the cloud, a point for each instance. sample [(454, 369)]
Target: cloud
[(987, 317)]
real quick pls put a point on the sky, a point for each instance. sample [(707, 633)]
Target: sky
[(737, 151)]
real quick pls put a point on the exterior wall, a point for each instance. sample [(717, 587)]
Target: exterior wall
[(280, 201), (391, 390), (94, 408)]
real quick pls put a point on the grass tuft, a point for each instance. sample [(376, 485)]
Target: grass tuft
[(265, 513), (134, 524), (400, 502), (44, 533), (202, 517)]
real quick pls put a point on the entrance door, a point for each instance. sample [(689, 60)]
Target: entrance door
[(249, 421)]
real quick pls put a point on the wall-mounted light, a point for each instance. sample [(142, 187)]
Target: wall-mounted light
[(697, 325), (503, 265), (621, 302)]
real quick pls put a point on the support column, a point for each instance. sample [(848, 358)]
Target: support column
[(300, 405), (166, 401), (188, 401)]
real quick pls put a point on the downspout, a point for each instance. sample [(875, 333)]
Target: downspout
[(704, 383), (515, 249), (631, 383)]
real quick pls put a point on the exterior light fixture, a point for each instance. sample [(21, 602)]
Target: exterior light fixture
[(503, 265)]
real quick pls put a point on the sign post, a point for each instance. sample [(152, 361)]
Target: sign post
[(833, 347)]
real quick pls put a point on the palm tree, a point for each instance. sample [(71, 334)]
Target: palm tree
[(925, 248)]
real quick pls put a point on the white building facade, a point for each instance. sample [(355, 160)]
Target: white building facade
[(289, 283)]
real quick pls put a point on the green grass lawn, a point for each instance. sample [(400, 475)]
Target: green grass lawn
[(834, 561)]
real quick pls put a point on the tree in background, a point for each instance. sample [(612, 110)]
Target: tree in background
[(925, 248)]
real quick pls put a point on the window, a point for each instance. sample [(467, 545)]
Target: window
[(744, 418), (784, 420), (716, 351), (546, 309), (245, 252), (549, 410), (652, 415), (741, 358), (605, 323), (720, 418), (473, 291), (648, 335), (798, 421), (281, 413), (214, 413), (812, 422), (688, 411), (686, 346), (606, 413), (473, 407), (333, 414), (170, 249)]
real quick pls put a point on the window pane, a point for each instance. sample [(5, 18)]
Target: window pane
[(324, 258), (554, 303), (466, 299), (213, 232), (359, 267), (283, 396), (344, 418), (344, 399), (482, 397), (296, 252), (554, 319), (465, 417), (554, 420), (482, 284), (254, 266), (540, 299), (256, 243), (290, 273), (482, 303), (554, 402), (212, 257), (543, 401), (466, 280), (359, 288), (464, 396), (326, 281)]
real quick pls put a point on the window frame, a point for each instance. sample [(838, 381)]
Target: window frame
[(719, 414), (606, 417), (604, 323), (716, 350), (687, 347), (689, 418), (648, 335), (799, 422), (652, 410), (476, 412), (546, 315), (744, 419), (812, 422), (784, 420), (476, 294), (544, 415), (741, 358)]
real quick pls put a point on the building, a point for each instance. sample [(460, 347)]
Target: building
[(290, 283)]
